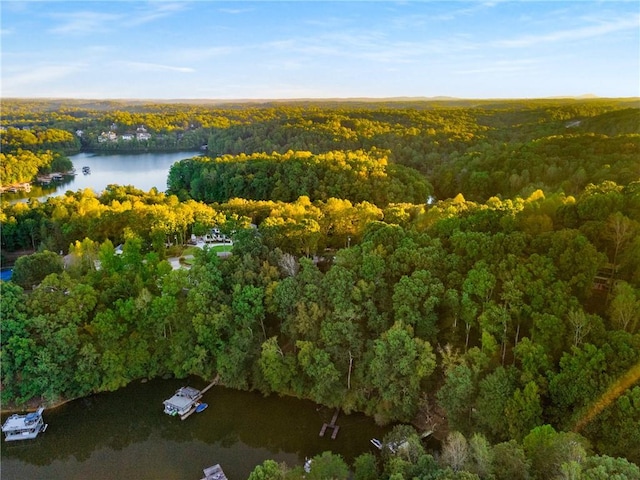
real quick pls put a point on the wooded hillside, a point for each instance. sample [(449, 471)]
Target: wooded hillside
[(479, 263)]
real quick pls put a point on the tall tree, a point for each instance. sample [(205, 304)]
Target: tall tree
[(400, 363)]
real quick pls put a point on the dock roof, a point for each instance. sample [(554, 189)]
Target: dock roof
[(214, 473)]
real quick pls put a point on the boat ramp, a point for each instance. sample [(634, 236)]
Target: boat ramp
[(24, 427)]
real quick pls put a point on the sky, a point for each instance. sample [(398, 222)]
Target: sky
[(319, 49)]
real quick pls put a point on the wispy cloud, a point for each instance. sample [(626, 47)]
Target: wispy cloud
[(200, 54), (38, 74), (235, 11), (329, 22), (84, 22), (369, 46), (501, 66), (5, 31), (154, 67), (581, 33), (154, 11), (420, 19)]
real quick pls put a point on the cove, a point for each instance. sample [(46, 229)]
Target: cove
[(125, 434), (144, 171)]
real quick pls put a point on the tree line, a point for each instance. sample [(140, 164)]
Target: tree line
[(356, 176), (544, 453), (511, 305), (27, 153), (472, 301)]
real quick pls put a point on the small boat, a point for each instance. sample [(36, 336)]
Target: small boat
[(201, 407), (393, 447), (86, 170), (24, 427)]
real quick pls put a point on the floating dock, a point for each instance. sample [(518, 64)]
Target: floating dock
[(183, 402), (186, 400), (331, 426), (214, 473)]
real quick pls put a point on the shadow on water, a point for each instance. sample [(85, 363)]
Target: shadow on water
[(141, 170), (125, 434)]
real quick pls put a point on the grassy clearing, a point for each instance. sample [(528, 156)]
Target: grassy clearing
[(217, 248)]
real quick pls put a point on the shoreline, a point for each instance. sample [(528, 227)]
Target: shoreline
[(34, 406), (437, 429), (16, 187)]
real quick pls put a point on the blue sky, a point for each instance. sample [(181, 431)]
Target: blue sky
[(319, 49)]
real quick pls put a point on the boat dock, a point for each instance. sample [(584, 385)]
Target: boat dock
[(16, 187), (214, 473), (214, 382), (331, 425), (202, 392), (186, 400)]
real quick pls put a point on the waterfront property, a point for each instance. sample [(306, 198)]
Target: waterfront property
[(239, 430), (186, 400), (183, 402), (24, 427), (15, 188)]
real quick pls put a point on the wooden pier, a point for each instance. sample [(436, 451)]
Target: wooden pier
[(202, 392), (214, 382), (331, 425)]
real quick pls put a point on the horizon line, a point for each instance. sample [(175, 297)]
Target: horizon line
[(303, 99)]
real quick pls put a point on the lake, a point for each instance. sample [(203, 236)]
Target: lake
[(142, 170), (125, 434)]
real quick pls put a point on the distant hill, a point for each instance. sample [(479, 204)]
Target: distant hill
[(54, 104), (585, 96)]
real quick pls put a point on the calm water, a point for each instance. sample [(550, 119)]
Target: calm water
[(142, 170), (126, 435)]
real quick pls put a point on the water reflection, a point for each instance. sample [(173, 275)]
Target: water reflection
[(120, 431), (142, 170), (38, 190)]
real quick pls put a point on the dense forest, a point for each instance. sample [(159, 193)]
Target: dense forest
[(469, 268)]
